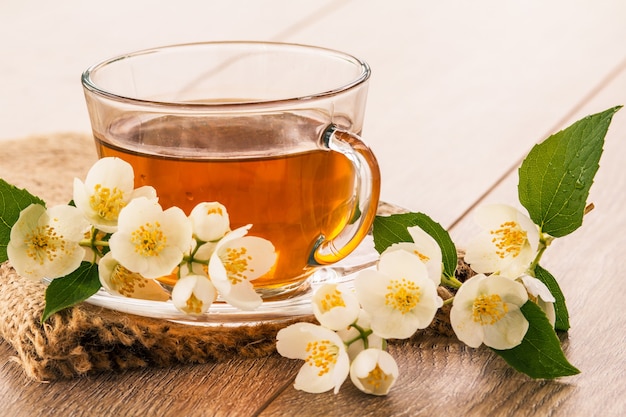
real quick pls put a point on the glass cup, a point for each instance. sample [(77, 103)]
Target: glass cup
[(269, 130)]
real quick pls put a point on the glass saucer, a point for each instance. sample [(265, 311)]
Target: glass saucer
[(299, 305)]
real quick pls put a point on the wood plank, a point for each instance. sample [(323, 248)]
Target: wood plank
[(219, 389), (459, 93)]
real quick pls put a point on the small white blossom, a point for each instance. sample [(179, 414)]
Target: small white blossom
[(507, 243), (335, 306), (107, 189), (486, 309), (399, 297), (426, 249), (354, 338), (374, 371), (150, 241), (193, 294), (542, 296), (210, 221), (236, 261), (118, 280), (326, 364), (46, 243)]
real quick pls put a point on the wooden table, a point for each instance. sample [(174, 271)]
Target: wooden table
[(460, 93)]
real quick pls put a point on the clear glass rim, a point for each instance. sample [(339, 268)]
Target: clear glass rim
[(362, 77)]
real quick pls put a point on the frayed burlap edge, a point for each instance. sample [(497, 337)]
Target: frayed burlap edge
[(87, 339)]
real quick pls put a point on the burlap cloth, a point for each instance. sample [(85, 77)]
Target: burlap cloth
[(88, 339)]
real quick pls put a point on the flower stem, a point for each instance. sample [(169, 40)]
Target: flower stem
[(363, 335), (452, 282), (544, 242)]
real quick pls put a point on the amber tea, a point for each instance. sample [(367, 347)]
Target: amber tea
[(290, 199)]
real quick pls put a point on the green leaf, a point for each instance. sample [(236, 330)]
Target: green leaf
[(12, 201), (393, 229), (560, 309), (69, 290), (556, 175), (540, 354)]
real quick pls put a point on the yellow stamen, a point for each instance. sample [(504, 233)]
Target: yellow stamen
[(420, 255), (403, 295), (149, 239), (44, 244), (332, 300), (107, 202), (375, 379), (488, 309), (236, 263), (193, 305), (125, 282), (215, 210), (322, 354), (509, 239)]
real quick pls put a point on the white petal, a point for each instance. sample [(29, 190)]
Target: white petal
[(146, 191), (242, 296), (193, 294), (335, 306), (292, 340), (370, 380), (507, 332), (402, 265), (115, 279), (428, 246), (511, 291), (537, 288), (111, 172), (210, 221), (465, 328)]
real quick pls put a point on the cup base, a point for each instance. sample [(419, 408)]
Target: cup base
[(298, 288)]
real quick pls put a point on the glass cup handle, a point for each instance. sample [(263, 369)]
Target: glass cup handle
[(366, 195)]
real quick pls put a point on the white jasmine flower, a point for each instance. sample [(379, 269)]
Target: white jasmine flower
[(486, 309), (354, 339), (150, 241), (335, 306), (193, 294), (374, 371), (46, 243), (107, 189), (508, 243), (541, 295), (236, 261), (426, 249), (201, 256), (210, 221), (399, 297), (326, 364), (118, 280)]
